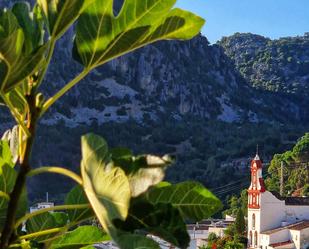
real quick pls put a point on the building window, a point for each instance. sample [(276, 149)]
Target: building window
[(250, 239), (253, 221), (255, 238)]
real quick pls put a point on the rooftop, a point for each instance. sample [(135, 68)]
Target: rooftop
[(292, 201), (295, 226), (274, 245), (299, 227)]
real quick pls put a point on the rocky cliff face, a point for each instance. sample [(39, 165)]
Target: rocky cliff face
[(172, 78)]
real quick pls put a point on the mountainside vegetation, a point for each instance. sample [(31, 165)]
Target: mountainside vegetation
[(295, 169), (280, 66)]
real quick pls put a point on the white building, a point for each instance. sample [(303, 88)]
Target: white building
[(42, 205), (274, 221)]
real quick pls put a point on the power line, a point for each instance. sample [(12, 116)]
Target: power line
[(227, 188)]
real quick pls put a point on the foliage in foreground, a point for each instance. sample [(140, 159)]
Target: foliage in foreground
[(123, 191), (233, 239)]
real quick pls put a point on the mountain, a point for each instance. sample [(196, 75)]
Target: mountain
[(191, 99)]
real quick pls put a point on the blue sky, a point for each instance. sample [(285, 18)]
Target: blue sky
[(271, 18)]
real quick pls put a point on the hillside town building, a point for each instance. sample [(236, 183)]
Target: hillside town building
[(275, 222)]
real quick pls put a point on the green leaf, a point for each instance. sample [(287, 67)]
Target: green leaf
[(18, 100), (7, 180), (40, 223), (61, 218), (142, 171), (101, 36), (11, 137), (4, 71), (15, 66), (134, 241), (82, 236), (77, 196), (5, 155), (107, 188), (11, 44), (61, 14), (192, 199), (25, 66), (31, 23), (162, 220)]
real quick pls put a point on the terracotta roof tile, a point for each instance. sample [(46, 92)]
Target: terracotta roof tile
[(274, 245), (301, 226)]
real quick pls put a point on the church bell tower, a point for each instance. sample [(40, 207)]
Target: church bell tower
[(255, 190)]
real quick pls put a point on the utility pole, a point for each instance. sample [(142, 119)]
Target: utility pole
[(281, 179)]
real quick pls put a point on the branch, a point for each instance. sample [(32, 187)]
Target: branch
[(8, 229)]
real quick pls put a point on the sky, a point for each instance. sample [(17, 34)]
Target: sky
[(270, 18)]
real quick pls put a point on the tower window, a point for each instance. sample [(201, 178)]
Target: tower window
[(250, 238), (255, 238), (253, 221)]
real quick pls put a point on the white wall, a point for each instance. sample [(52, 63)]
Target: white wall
[(304, 238), (295, 236), (219, 231), (272, 211), (271, 215), (275, 211), (280, 236)]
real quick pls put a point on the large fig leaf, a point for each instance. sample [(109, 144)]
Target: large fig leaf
[(135, 241), (15, 66), (31, 23), (101, 36), (7, 181), (192, 199), (75, 197), (41, 222), (82, 236), (162, 220), (142, 171), (107, 188), (60, 14)]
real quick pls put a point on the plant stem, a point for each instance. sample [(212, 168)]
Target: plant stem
[(56, 208), (48, 59), (8, 230), (57, 170), (64, 90), (45, 232)]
